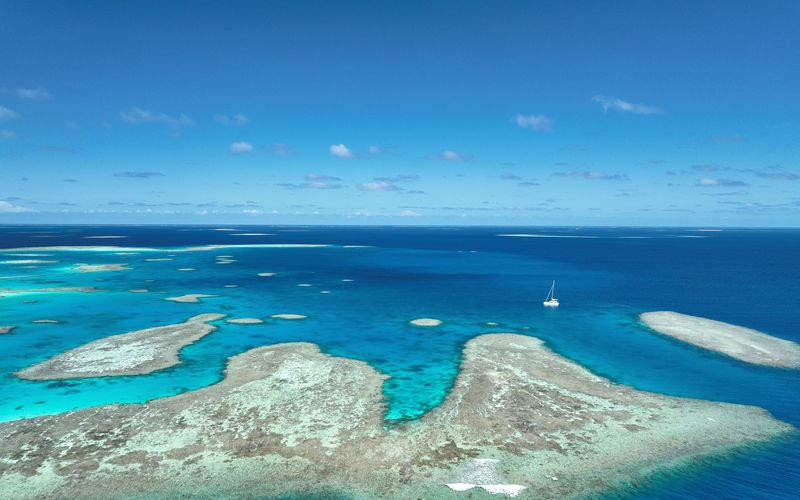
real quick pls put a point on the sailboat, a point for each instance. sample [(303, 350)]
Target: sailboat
[(551, 300)]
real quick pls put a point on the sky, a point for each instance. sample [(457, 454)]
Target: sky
[(644, 113)]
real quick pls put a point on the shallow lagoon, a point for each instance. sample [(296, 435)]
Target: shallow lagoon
[(465, 277)]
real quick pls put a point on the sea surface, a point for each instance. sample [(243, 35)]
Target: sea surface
[(366, 283)]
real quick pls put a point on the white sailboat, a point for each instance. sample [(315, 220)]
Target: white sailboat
[(551, 300)]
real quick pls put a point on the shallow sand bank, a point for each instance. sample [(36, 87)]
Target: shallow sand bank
[(244, 321), (744, 344), (132, 353), (426, 322), (288, 419), (25, 291), (190, 298), (6, 329), (99, 268)]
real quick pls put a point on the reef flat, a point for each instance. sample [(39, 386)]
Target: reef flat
[(744, 344), (132, 353), (290, 420), (23, 291)]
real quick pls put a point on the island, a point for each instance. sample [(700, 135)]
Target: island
[(741, 343), (290, 421), (133, 353)]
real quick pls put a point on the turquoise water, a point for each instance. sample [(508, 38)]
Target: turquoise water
[(467, 277)]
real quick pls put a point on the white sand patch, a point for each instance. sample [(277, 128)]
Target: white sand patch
[(191, 298), (347, 280), (288, 316), (304, 284), (99, 268), (230, 286), (426, 322), (184, 269), (266, 274), (46, 321), (245, 321), (325, 291)]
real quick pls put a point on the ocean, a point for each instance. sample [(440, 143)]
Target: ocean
[(367, 283)]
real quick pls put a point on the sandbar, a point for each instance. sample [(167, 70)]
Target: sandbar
[(288, 316), (99, 268), (290, 421), (426, 322), (132, 353), (266, 274), (6, 329), (244, 321), (744, 344), (191, 298)]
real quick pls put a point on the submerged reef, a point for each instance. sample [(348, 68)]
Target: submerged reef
[(132, 353), (744, 344), (290, 420)]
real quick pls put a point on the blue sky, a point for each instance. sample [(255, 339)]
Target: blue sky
[(532, 113)]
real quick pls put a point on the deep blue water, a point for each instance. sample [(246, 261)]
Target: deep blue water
[(466, 277)]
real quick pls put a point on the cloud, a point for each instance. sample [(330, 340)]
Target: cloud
[(8, 207), (625, 106), (593, 175), (33, 93), (708, 181), (529, 183), (707, 167), (777, 173), (341, 151), (376, 185), (312, 177), (314, 181), (138, 115), (236, 120), (7, 114), (8, 134), (377, 150), (280, 149), (449, 155), (241, 147), (399, 178), (138, 175), (510, 177), (539, 123)]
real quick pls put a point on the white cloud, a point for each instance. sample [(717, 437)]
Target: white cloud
[(33, 93), (241, 147), (8, 207), (707, 181), (593, 175), (341, 151), (625, 106), (7, 114), (539, 123), (312, 177), (237, 120), (8, 134), (449, 155), (138, 115), (377, 186)]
